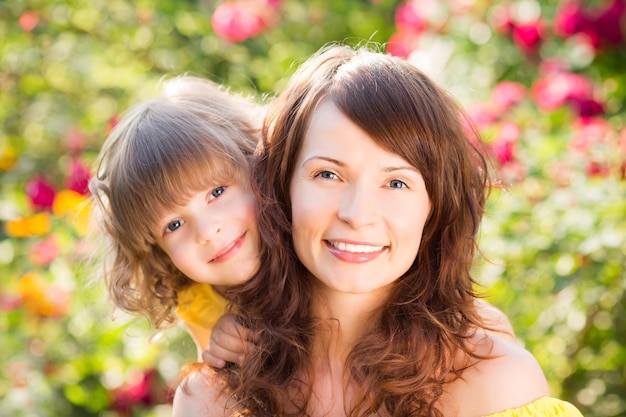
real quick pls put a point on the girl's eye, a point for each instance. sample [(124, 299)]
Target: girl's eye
[(173, 226), (397, 184), (327, 175), (217, 192)]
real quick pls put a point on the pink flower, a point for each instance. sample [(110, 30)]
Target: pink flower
[(237, 21), (570, 19), (552, 66), (528, 36), (596, 169), (78, 178), (44, 251), (111, 123), (506, 95), (142, 388), (622, 142), (402, 43), (503, 144), (482, 116), (74, 141), (593, 141), (502, 19), (621, 145), (28, 21), (9, 302), (408, 18), (590, 135), (41, 193), (553, 91)]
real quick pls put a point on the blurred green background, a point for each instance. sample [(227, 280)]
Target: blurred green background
[(544, 82)]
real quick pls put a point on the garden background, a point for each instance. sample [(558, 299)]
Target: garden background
[(545, 82)]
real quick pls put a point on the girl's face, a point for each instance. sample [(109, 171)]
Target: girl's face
[(358, 210), (212, 237)]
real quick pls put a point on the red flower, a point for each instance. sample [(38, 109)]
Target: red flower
[(40, 193), (608, 24), (586, 106), (78, 178), (28, 21), (528, 36), (570, 19)]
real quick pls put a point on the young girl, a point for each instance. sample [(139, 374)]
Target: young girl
[(370, 199), (172, 196)]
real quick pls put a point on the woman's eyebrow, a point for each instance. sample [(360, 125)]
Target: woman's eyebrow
[(402, 168), (323, 158)]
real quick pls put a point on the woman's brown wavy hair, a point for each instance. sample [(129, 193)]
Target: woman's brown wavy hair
[(194, 134), (398, 369)]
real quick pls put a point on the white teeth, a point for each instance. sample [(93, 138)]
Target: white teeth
[(348, 247)]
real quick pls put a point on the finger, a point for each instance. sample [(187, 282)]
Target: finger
[(217, 356), (226, 342)]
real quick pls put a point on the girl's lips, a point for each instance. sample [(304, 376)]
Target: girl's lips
[(229, 251), (354, 253)]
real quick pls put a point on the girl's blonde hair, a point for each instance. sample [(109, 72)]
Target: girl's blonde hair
[(162, 150)]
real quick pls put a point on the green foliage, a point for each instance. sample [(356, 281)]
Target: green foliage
[(554, 237)]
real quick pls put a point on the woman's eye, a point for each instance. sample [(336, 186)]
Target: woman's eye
[(217, 192), (173, 226), (327, 175), (397, 184)]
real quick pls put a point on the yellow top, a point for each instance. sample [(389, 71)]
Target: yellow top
[(199, 306), (542, 407)]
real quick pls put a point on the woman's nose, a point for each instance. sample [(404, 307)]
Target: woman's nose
[(358, 207)]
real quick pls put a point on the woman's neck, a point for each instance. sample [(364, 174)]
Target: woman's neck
[(344, 319)]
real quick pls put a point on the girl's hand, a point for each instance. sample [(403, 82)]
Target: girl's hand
[(227, 344)]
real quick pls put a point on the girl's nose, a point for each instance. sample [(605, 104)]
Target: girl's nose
[(206, 230)]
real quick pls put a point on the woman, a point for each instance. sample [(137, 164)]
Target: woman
[(367, 164)]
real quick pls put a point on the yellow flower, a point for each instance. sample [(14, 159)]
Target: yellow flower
[(42, 298), (76, 207), (26, 226), (8, 156)]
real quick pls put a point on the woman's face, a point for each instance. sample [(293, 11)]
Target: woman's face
[(358, 210)]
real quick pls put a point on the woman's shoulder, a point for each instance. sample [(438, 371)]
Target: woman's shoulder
[(511, 378)]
